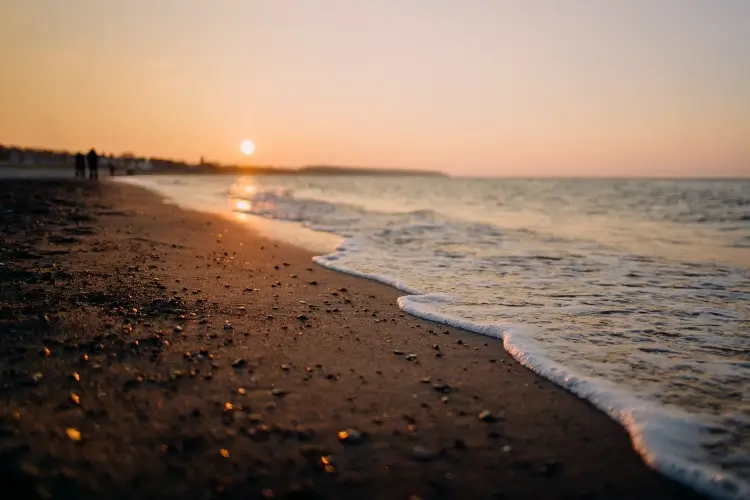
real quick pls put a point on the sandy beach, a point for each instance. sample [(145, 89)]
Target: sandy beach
[(148, 351)]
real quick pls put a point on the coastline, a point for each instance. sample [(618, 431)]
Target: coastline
[(315, 351)]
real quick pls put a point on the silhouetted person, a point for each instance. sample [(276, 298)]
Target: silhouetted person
[(112, 166), (80, 166), (93, 160)]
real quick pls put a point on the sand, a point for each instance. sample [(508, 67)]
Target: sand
[(152, 352)]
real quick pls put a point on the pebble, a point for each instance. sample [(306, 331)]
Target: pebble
[(285, 368), (73, 433), (444, 388), (178, 329), (227, 326), (302, 317), (398, 353), (279, 393), (426, 380), (411, 357), (551, 467), (350, 436), (486, 416), (238, 363), (423, 454)]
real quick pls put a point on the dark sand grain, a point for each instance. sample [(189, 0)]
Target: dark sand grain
[(152, 352)]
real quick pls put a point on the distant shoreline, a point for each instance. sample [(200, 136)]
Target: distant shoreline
[(353, 172), (229, 170)]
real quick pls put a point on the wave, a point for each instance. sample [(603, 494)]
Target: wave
[(669, 440), (395, 245)]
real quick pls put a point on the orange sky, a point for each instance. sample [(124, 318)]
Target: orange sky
[(479, 87)]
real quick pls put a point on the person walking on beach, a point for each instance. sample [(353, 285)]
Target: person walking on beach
[(93, 160), (80, 165)]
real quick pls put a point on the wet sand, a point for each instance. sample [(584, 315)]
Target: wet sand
[(152, 352)]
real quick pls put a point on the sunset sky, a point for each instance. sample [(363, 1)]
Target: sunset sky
[(480, 87)]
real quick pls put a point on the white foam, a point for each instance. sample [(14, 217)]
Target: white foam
[(668, 440)]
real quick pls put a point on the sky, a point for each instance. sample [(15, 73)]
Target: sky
[(470, 87)]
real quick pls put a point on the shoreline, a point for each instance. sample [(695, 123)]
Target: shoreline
[(669, 440), (315, 351)]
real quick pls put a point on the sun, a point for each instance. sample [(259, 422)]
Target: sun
[(247, 147)]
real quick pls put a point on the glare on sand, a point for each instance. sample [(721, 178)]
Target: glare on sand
[(243, 205)]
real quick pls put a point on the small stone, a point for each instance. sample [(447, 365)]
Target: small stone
[(444, 399), (398, 353), (411, 357), (506, 448), (37, 377), (279, 393), (444, 388), (73, 433), (241, 391), (488, 417), (302, 317), (46, 352), (426, 380), (286, 368), (178, 329), (75, 399), (550, 467), (30, 469), (227, 326), (224, 453), (238, 363), (423, 454), (75, 376), (350, 436)]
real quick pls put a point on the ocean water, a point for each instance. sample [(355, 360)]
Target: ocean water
[(632, 294)]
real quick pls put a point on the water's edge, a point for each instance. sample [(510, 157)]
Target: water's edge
[(650, 432), (657, 433)]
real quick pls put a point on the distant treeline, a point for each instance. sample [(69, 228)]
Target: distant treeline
[(18, 156)]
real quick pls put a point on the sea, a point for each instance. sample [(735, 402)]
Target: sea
[(631, 294)]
